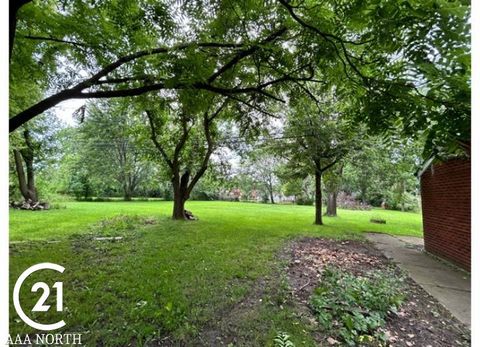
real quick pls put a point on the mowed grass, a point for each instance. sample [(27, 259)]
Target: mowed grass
[(281, 219), (173, 280)]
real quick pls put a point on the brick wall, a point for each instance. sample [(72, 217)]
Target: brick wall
[(446, 211)]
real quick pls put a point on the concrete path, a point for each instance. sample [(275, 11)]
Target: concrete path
[(450, 286)]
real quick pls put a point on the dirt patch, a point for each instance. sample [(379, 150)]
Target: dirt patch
[(421, 321)]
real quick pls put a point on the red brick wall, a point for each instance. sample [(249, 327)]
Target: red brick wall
[(446, 211)]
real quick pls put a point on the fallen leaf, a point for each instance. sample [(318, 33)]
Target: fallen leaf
[(332, 341)]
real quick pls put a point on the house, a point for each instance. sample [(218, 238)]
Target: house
[(446, 208)]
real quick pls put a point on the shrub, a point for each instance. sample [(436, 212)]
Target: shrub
[(353, 308), (304, 201), (202, 195), (407, 201)]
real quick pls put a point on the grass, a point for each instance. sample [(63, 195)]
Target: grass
[(283, 219), (176, 279)]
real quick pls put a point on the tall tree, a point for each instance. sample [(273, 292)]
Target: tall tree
[(316, 139), (408, 64), (185, 136), (108, 134), (25, 157), (32, 148), (383, 170)]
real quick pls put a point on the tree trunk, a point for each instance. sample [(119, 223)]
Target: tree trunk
[(15, 5), (127, 192), (26, 185), (332, 204), (318, 198), (363, 194), (402, 195), (178, 207), (22, 183), (270, 189), (30, 178), (180, 195)]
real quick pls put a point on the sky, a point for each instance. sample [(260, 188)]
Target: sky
[(65, 110)]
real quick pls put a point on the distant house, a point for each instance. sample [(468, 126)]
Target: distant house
[(446, 208)]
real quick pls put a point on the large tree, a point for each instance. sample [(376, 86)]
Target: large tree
[(406, 59), (383, 170), (407, 63), (110, 145), (184, 136), (149, 51), (316, 138), (24, 162), (33, 147)]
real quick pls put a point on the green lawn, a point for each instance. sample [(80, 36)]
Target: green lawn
[(176, 279), (281, 219)]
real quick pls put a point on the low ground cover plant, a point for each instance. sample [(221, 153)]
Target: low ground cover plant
[(120, 225), (354, 308)]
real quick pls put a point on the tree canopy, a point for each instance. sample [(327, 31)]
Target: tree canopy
[(407, 61)]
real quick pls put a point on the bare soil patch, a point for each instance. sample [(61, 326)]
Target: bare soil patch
[(421, 321)]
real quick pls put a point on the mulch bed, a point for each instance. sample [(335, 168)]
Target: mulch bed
[(421, 321)]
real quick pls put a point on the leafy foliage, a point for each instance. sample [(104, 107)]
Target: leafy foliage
[(383, 171), (406, 64), (282, 340), (353, 308)]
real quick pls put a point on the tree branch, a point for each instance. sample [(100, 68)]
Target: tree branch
[(207, 121), (153, 136), (327, 37), (245, 53), (54, 39), (76, 91)]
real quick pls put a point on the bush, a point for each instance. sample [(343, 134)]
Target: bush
[(353, 308), (304, 201), (201, 195), (408, 201)]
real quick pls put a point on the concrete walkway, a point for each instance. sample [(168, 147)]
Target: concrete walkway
[(450, 286)]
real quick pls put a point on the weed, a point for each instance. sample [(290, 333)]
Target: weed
[(282, 340), (354, 308)]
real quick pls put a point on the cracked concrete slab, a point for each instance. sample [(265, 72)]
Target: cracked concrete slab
[(449, 285)]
